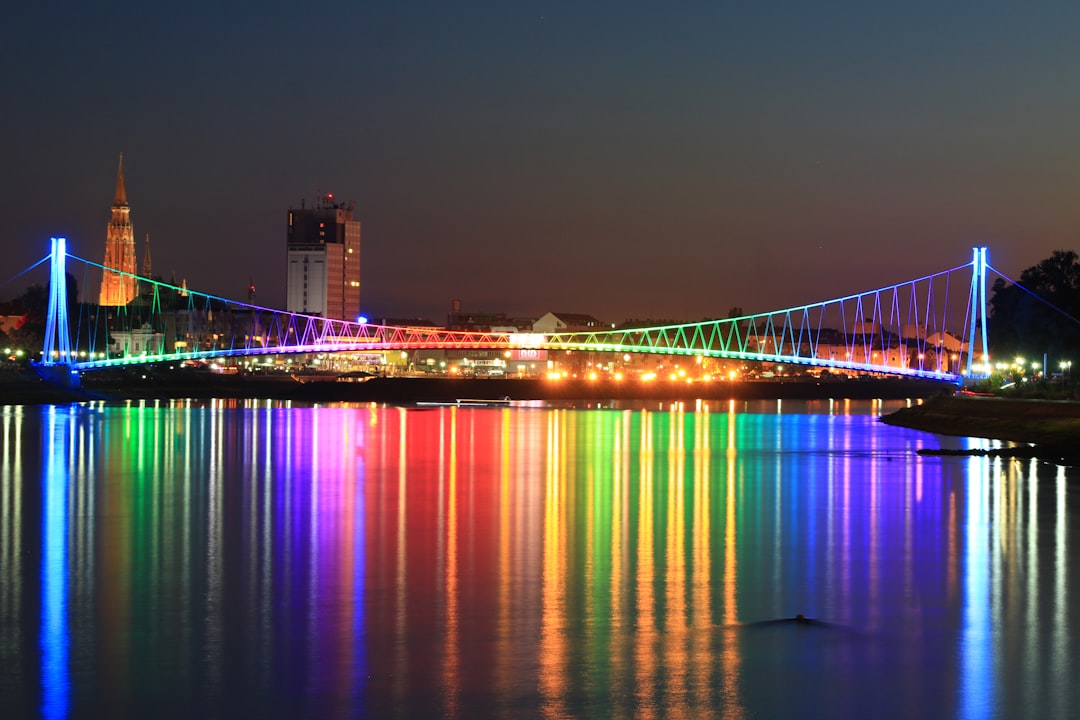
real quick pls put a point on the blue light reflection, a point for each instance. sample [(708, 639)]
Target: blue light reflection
[(54, 635)]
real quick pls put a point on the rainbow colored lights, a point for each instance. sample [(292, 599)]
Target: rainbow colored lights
[(459, 561), (904, 329)]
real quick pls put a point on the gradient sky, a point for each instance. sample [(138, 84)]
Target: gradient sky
[(622, 159)]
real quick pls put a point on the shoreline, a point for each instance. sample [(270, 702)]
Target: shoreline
[(1045, 429), (28, 389), (1049, 429)]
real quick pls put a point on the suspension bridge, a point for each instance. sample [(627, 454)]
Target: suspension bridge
[(931, 327)]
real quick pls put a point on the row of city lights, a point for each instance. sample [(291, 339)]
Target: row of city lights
[(1021, 365), (679, 376)]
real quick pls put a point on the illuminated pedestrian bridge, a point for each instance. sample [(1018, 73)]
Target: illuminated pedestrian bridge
[(930, 327)]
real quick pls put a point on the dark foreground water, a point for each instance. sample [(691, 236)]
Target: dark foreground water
[(249, 559)]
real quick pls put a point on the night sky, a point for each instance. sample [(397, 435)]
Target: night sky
[(621, 159)]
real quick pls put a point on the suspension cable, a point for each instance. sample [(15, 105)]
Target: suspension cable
[(1033, 294), (17, 275)]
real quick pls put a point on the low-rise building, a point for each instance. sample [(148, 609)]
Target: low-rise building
[(557, 322)]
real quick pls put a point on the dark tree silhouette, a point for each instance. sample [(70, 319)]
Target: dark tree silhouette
[(29, 332), (1039, 315)]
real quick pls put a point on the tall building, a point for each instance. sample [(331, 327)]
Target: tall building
[(323, 249), (117, 289)]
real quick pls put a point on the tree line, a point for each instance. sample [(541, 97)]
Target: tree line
[(1038, 314)]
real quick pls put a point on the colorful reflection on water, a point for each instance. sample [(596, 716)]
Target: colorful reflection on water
[(182, 559)]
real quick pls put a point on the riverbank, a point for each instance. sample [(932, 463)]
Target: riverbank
[(1052, 427), (148, 383)]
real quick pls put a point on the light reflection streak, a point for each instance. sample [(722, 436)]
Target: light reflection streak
[(590, 510), (358, 546), (215, 571), (54, 637), (1029, 557), (265, 546), (874, 571), (344, 548), (83, 524), (730, 658), (11, 531), (1062, 654), (646, 646), (401, 622), (552, 651), (254, 612), (619, 520), (503, 631), (701, 598), (846, 520), (676, 631), (778, 508), (571, 568), (314, 581), (451, 655), (832, 545), (976, 670)]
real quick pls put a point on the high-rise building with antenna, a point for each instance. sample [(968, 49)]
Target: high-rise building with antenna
[(116, 289)]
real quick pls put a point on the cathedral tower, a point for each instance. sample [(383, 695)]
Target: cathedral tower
[(117, 289)]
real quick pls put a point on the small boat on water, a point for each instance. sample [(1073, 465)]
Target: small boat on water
[(356, 376), (472, 402), (314, 376)]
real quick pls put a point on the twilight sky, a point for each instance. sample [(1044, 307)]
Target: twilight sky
[(622, 159)]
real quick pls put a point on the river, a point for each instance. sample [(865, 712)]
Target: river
[(254, 558)]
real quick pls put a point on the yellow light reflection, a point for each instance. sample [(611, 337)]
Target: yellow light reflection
[(451, 657), (552, 658), (676, 631), (701, 599), (730, 658), (646, 637)]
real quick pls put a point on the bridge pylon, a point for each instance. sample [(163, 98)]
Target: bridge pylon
[(977, 324), (56, 354)]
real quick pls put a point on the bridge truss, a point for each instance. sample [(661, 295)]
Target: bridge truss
[(930, 327), (914, 328)]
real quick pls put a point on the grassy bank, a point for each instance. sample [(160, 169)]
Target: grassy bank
[(1052, 425)]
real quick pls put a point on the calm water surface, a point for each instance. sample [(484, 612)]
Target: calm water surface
[(224, 559)]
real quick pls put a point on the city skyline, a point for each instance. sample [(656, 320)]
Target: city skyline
[(616, 160)]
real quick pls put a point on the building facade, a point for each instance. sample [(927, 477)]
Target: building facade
[(118, 290), (323, 260)]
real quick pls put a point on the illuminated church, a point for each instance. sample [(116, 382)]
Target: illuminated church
[(116, 289)]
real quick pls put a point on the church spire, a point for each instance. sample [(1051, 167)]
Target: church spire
[(121, 191), (146, 258), (118, 286)]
